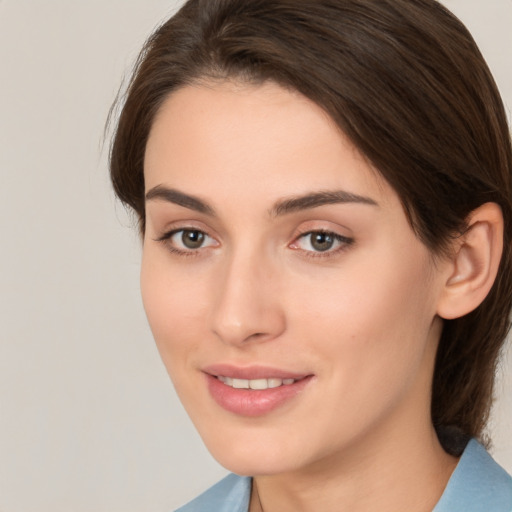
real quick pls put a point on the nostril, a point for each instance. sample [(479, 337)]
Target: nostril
[(256, 335)]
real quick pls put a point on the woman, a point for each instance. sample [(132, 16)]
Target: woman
[(324, 192)]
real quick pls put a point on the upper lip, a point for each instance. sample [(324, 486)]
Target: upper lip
[(251, 372)]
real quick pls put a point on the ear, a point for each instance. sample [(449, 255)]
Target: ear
[(473, 267)]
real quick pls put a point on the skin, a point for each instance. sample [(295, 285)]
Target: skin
[(360, 317)]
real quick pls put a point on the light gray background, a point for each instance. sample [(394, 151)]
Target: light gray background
[(88, 419)]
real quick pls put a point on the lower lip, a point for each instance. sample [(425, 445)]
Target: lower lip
[(248, 402)]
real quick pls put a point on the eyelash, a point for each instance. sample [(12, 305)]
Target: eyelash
[(166, 240), (344, 242)]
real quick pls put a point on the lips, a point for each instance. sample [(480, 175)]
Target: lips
[(253, 391)]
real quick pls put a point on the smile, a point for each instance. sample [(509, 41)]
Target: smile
[(255, 384)]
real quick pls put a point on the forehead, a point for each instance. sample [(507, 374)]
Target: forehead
[(252, 136)]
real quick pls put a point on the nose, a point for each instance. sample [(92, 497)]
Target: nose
[(246, 307)]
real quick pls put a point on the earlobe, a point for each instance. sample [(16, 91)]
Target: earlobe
[(474, 264)]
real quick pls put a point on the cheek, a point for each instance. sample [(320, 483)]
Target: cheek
[(368, 335), (372, 322), (174, 307)]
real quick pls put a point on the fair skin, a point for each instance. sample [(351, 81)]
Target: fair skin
[(240, 270)]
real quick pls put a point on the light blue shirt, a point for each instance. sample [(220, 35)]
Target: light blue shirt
[(478, 484)]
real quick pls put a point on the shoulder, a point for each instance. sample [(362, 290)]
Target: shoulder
[(477, 484), (231, 494)]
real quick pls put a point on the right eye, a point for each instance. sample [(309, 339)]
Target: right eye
[(183, 241)]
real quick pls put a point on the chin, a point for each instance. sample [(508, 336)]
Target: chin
[(260, 464), (256, 455)]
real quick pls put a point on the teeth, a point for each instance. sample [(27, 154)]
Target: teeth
[(240, 383), (255, 383), (258, 384), (274, 383)]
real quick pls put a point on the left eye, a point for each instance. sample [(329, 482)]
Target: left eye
[(320, 241), (189, 239)]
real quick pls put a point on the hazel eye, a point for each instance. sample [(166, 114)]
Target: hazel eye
[(187, 241), (191, 239), (321, 242)]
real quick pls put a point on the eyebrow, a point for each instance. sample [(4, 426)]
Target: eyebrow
[(282, 207), (316, 199), (172, 195)]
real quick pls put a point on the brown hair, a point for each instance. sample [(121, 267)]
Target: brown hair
[(407, 84)]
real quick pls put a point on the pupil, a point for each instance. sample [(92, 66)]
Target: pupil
[(192, 239), (322, 241)]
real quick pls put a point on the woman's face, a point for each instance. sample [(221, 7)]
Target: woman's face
[(276, 258)]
